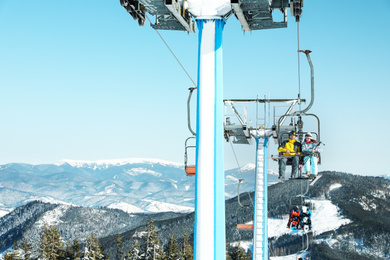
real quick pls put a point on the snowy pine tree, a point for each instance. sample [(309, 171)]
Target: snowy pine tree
[(228, 257), (172, 249), (51, 246), (152, 249), (12, 254), (73, 250), (22, 250), (119, 254), (134, 252), (186, 252), (26, 249), (238, 253), (93, 250)]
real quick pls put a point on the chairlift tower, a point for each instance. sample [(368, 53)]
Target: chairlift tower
[(210, 17), (241, 133)]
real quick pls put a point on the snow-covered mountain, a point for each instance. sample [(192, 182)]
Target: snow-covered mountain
[(350, 219), (132, 185)]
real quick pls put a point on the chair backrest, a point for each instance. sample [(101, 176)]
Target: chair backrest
[(190, 170)]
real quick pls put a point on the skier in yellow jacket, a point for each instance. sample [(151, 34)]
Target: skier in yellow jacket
[(289, 148)]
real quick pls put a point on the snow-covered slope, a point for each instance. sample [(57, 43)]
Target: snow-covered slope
[(326, 217)]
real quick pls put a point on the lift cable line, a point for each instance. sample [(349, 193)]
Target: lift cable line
[(166, 44)]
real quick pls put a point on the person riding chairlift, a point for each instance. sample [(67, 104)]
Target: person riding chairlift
[(305, 218), (310, 156), (294, 219), (289, 148)]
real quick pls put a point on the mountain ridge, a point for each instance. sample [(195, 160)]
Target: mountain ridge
[(139, 184)]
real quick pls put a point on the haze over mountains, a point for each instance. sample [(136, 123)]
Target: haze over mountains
[(133, 185)]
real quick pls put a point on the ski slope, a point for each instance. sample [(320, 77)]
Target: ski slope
[(326, 217)]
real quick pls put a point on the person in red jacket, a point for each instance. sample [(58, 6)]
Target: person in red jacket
[(293, 221)]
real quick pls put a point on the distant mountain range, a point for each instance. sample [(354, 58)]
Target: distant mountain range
[(350, 219), (132, 185)]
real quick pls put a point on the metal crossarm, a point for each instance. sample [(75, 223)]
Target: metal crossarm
[(170, 15), (257, 14)]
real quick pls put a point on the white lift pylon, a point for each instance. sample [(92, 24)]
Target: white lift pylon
[(260, 221)]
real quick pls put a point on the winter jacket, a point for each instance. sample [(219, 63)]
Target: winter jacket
[(292, 145), (294, 218), (306, 147), (306, 214)]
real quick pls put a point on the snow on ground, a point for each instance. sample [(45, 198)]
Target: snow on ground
[(244, 244), (3, 213), (248, 245), (231, 178), (52, 217), (138, 171), (335, 186), (109, 190), (325, 217), (248, 167), (158, 206), (126, 207)]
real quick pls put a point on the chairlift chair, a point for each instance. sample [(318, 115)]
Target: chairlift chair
[(190, 169), (242, 226)]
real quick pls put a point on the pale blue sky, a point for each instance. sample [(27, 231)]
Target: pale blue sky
[(81, 80)]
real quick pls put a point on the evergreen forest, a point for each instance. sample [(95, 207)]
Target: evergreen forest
[(148, 246)]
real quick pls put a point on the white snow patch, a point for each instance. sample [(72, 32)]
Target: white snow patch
[(229, 196), (158, 206), (187, 187), (126, 207), (229, 177), (380, 194), (366, 205), (3, 213), (245, 244), (335, 186), (107, 191), (248, 167), (325, 217), (138, 171), (52, 217)]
